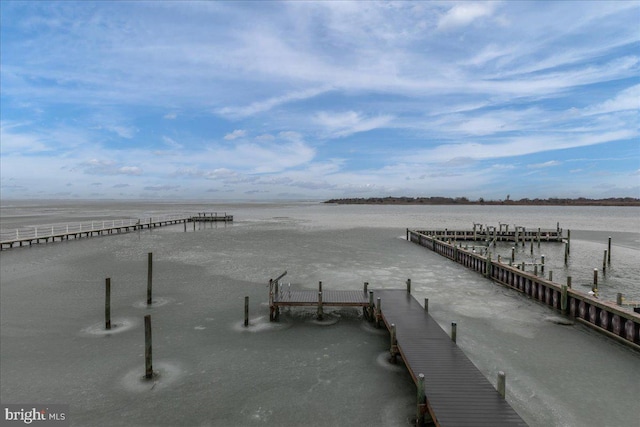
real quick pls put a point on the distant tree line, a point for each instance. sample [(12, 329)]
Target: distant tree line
[(581, 201)]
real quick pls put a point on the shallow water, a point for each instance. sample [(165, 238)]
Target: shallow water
[(213, 371)]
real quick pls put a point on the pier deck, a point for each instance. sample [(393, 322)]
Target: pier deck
[(457, 393)]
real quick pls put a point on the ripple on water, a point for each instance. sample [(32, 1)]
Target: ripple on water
[(384, 361), (118, 325), (260, 324), (155, 302), (164, 375)]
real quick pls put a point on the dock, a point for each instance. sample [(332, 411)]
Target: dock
[(451, 391), (608, 318), (27, 236)]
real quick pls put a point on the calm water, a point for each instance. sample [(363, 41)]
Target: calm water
[(213, 372)]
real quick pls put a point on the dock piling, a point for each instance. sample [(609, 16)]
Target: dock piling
[(569, 282), (246, 311), (426, 305), (320, 312), (609, 250), (408, 286), (148, 365), (394, 344), (421, 400), (366, 286), (594, 288), (454, 331), (563, 299), (604, 262), (502, 384), (619, 298), (107, 304), (149, 276), (378, 312)]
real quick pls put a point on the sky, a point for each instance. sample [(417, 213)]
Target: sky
[(316, 100)]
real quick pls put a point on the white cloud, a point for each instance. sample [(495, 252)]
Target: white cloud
[(548, 164), (463, 14), (349, 122), (238, 133)]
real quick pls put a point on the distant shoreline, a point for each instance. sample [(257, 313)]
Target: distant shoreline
[(622, 201)]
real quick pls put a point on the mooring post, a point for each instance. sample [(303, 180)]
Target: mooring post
[(619, 298), (539, 236), (609, 250), (378, 312), (569, 282), (246, 311), (535, 269), (488, 265), (563, 299), (513, 254), (566, 253), (408, 286), (594, 288), (320, 312), (454, 331), (149, 276), (551, 275), (426, 305), (148, 365), (421, 401), (185, 225), (604, 262), (394, 344), (194, 225), (107, 304), (542, 266), (320, 286), (569, 241), (531, 247), (366, 286), (501, 384), (371, 307)]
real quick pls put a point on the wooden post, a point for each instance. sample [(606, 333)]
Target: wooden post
[(366, 286), (566, 253), (513, 254), (604, 262), (501, 384), (569, 282), (551, 275), (539, 236), (535, 269), (185, 225), (426, 305), (421, 400), (594, 288), (568, 241), (320, 286), (531, 246), (619, 298), (107, 304), (320, 312), (371, 309), (488, 265), (148, 365), (542, 266), (194, 225), (149, 276), (246, 311), (394, 344), (454, 331), (609, 250), (563, 299), (378, 312), (408, 286)]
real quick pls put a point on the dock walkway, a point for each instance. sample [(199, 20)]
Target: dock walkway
[(27, 236), (457, 393)]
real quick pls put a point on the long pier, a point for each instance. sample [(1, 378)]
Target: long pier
[(608, 318), (451, 391), (27, 236)]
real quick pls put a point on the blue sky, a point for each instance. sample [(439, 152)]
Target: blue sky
[(315, 100)]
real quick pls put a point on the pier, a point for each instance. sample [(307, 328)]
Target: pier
[(27, 236), (451, 391), (608, 318)]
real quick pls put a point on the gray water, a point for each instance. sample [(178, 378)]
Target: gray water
[(213, 372)]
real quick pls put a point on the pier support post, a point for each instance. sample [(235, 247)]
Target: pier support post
[(609, 251), (149, 276), (551, 275), (320, 312), (246, 311), (568, 241), (502, 384), (370, 309), (542, 264), (619, 298), (426, 305), (148, 365), (378, 312), (454, 331), (366, 287), (487, 272), (594, 288), (408, 286), (604, 262), (563, 299), (107, 304), (569, 282), (421, 401), (531, 250), (320, 286), (566, 253), (394, 344), (513, 254)]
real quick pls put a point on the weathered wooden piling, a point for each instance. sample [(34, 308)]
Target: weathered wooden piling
[(619, 298), (542, 264), (569, 282), (378, 312), (454, 331), (148, 363), (513, 254), (609, 250), (551, 275), (149, 276), (320, 312), (604, 262), (502, 390), (563, 298), (246, 311), (569, 241), (366, 287), (107, 304), (566, 253), (421, 399), (409, 286), (394, 344), (594, 288), (426, 305)]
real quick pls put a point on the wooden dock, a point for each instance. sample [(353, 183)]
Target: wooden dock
[(451, 391), (456, 392), (500, 234), (27, 236), (609, 318)]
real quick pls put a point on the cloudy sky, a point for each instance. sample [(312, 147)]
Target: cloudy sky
[(314, 100)]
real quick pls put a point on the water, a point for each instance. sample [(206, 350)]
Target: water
[(212, 371)]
